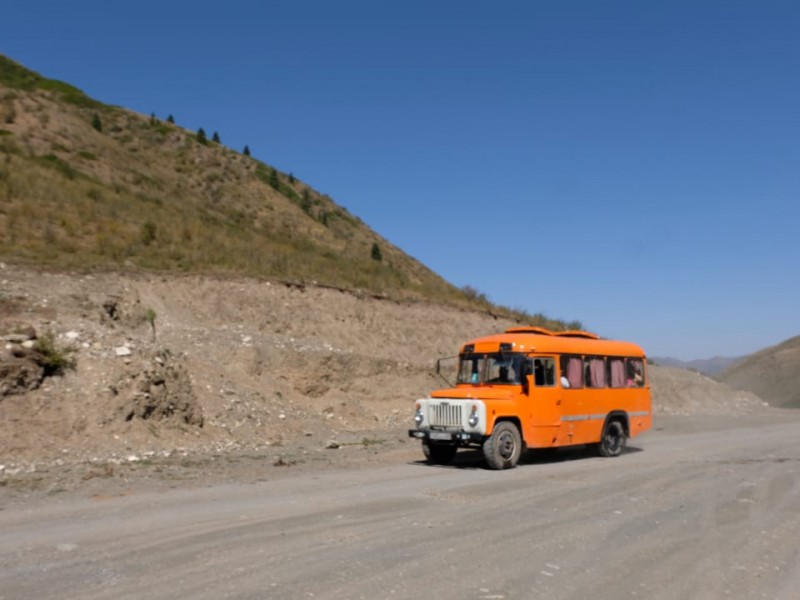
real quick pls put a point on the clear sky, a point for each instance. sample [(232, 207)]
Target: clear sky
[(631, 164)]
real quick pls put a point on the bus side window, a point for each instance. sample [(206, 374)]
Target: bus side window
[(595, 368), (538, 372), (572, 370), (550, 372), (635, 372), (544, 372), (616, 372)]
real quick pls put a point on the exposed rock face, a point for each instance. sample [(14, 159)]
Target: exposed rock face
[(19, 375), (160, 392), (20, 366)]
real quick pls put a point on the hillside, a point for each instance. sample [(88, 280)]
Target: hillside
[(772, 373), (86, 185)]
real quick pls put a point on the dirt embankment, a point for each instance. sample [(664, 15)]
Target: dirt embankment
[(183, 367), (193, 364)]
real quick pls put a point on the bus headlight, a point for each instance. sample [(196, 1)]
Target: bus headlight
[(472, 421), (419, 417)]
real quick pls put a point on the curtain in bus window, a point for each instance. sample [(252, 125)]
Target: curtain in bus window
[(617, 372), (575, 371), (597, 371)]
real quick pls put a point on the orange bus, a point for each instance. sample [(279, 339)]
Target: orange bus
[(534, 388)]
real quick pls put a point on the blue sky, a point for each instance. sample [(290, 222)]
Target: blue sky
[(633, 165)]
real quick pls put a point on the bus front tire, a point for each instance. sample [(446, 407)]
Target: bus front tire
[(439, 454), (503, 448), (613, 440)]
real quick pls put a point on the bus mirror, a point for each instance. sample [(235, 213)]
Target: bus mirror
[(439, 369)]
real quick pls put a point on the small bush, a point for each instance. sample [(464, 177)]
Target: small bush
[(148, 233), (54, 359)]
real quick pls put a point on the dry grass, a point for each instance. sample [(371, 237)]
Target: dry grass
[(143, 193)]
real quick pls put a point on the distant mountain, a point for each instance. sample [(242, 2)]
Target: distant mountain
[(772, 373), (708, 366)]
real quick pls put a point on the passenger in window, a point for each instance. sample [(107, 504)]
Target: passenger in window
[(635, 377), (564, 379)]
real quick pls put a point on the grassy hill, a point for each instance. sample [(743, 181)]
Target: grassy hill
[(84, 185), (772, 373)]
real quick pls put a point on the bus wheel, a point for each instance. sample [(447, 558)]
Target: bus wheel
[(439, 454), (613, 440), (503, 448)]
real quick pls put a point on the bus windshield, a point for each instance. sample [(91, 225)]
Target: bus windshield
[(499, 368)]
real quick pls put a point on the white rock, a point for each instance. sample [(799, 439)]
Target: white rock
[(28, 344), (72, 335), (122, 351)]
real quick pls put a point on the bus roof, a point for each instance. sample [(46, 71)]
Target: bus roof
[(541, 340)]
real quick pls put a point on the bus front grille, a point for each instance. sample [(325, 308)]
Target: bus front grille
[(446, 415)]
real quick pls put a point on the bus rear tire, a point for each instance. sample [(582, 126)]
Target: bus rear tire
[(613, 440), (439, 454), (503, 448)]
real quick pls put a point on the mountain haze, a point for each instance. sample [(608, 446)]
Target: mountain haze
[(709, 366)]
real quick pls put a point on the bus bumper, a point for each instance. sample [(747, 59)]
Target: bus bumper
[(452, 437)]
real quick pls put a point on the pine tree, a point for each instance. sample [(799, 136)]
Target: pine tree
[(273, 179), (97, 123), (376, 252), (215, 137), (201, 136), (246, 151), (171, 119)]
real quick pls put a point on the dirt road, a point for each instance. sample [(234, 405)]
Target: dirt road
[(687, 512)]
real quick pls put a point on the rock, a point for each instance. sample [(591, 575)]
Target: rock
[(19, 375), (17, 338), (122, 351), (332, 445)]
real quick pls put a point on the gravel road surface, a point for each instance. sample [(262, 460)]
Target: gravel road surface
[(707, 513)]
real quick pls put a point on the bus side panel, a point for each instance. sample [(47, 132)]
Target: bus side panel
[(640, 412), (586, 411)]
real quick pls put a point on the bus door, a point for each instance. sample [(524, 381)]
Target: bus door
[(544, 403)]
